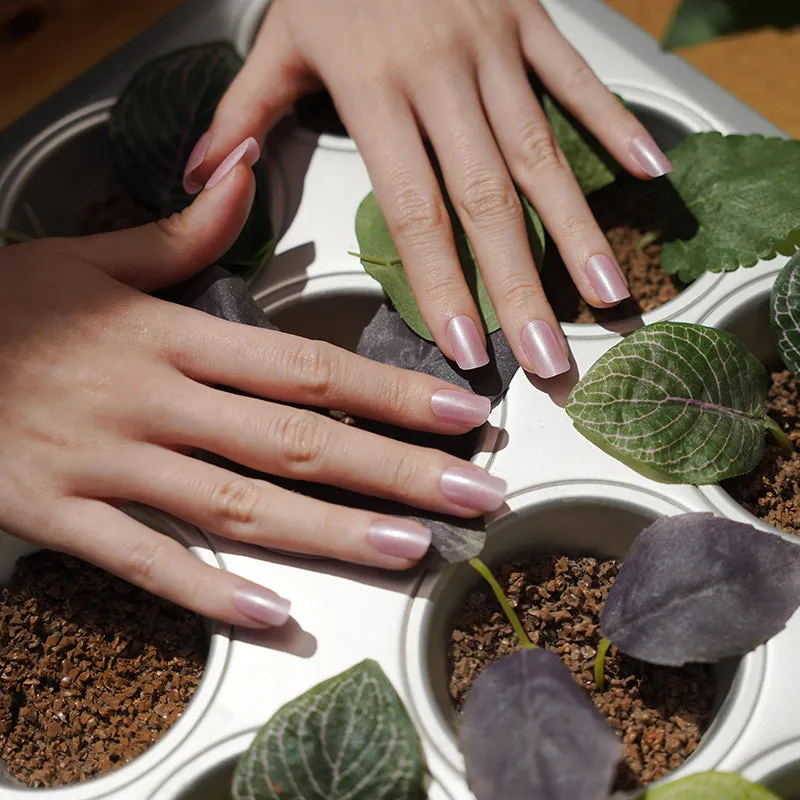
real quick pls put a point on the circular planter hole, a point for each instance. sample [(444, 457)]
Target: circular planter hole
[(105, 679), (64, 184), (768, 496), (578, 520), (208, 776)]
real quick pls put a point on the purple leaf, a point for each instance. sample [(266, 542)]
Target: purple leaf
[(699, 588), (529, 732)]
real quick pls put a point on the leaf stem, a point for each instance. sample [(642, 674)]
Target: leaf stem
[(600, 664), (15, 236), (778, 434), (486, 573), (381, 262), (35, 222)]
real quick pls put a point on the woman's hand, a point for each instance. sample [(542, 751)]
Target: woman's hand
[(455, 72), (104, 390)]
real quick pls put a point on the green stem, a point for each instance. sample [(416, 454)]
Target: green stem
[(15, 236), (486, 573), (778, 434), (378, 261), (35, 222), (600, 664), (648, 239)]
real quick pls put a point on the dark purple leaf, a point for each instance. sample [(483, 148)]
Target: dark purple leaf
[(388, 339), (699, 588), (529, 732)]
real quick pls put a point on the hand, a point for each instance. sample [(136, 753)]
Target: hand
[(104, 390), (454, 71)]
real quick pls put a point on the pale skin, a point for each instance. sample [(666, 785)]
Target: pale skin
[(106, 391)]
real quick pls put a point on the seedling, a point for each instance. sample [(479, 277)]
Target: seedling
[(685, 403), (528, 731)]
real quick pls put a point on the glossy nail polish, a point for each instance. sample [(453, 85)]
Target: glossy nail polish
[(262, 605), (401, 538), (468, 349), (606, 279), (473, 488), (248, 152), (650, 156), (461, 408), (543, 349), (190, 184)]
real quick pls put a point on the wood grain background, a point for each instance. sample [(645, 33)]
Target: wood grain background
[(44, 44)]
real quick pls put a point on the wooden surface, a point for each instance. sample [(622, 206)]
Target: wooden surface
[(46, 43)]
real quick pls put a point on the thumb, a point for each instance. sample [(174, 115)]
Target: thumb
[(267, 86), (168, 251)]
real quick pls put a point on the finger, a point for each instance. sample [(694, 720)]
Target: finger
[(409, 196), (303, 445), (541, 170), (269, 83), (487, 204), (166, 252), (571, 80), (259, 513), (290, 369), (109, 539)]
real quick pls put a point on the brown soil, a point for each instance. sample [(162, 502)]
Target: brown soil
[(622, 211), (772, 490), (115, 213), (92, 670), (659, 712)]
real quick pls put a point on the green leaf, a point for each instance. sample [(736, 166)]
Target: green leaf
[(710, 786), (168, 104), (593, 165), (697, 21), (785, 314), (742, 195), (381, 260), (678, 402), (348, 738)]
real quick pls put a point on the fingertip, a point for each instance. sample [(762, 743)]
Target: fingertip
[(261, 607), (466, 343)]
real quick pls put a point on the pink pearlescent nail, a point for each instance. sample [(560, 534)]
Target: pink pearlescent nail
[(468, 348), (190, 184), (461, 408), (262, 605), (473, 488), (543, 349), (401, 538), (650, 156), (606, 279), (248, 152)]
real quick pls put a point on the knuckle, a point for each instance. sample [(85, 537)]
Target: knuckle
[(301, 440), (416, 214), (537, 149), (171, 227), (142, 560), (523, 294), (576, 229), (395, 397), (487, 197), (580, 78), (403, 472), (235, 501), (314, 368)]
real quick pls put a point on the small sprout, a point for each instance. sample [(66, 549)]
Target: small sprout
[(648, 239), (600, 664)]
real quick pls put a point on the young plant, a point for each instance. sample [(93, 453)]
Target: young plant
[(693, 588)]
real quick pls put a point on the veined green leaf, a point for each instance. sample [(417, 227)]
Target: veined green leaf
[(680, 403), (785, 314), (710, 786), (156, 122), (738, 201), (381, 260), (348, 738)]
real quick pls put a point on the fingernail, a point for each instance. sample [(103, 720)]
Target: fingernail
[(606, 279), (198, 155), (262, 605), (461, 408), (248, 151), (401, 538), (543, 349), (465, 341), (650, 156), (473, 488)]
